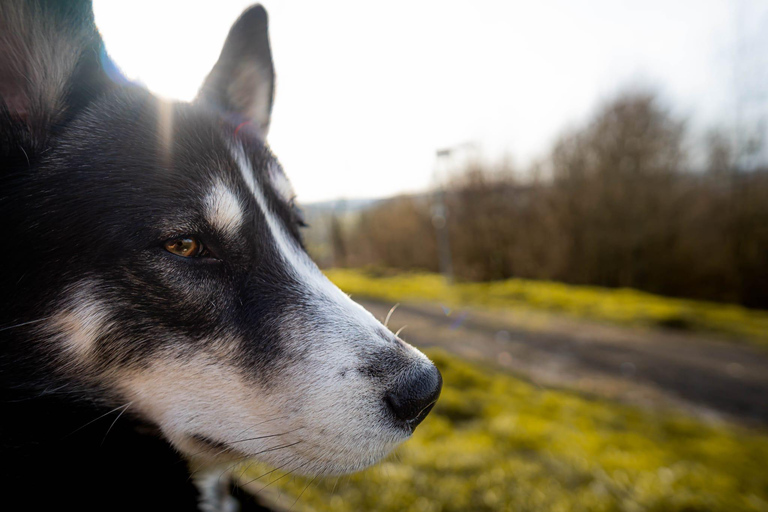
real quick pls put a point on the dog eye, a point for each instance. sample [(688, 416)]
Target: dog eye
[(186, 247)]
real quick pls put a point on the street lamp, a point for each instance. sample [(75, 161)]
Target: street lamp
[(440, 209)]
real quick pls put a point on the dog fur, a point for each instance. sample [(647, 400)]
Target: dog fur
[(129, 370)]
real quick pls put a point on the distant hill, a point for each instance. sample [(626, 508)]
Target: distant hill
[(339, 206)]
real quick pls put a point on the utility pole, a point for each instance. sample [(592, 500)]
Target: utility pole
[(750, 71), (440, 213), (440, 222)]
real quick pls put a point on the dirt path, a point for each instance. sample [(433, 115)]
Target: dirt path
[(698, 374)]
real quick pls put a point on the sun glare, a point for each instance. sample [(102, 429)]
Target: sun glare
[(167, 46)]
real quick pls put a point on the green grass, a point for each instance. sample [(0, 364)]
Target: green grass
[(494, 443), (621, 306)]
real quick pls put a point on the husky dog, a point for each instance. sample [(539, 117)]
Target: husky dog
[(159, 313)]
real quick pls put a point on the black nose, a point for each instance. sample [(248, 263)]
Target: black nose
[(414, 396)]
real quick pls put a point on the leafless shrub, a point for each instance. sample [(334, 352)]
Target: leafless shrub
[(621, 208)]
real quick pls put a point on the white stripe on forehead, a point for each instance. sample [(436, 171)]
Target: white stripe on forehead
[(288, 249), (297, 261), (223, 210)]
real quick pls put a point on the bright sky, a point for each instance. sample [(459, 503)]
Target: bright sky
[(366, 92)]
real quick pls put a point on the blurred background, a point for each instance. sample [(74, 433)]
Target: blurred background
[(568, 203)]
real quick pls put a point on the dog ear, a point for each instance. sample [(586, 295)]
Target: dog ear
[(51, 67), (243, 80)]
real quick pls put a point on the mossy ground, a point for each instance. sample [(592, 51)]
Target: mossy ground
[(495, 442), (620, 306)]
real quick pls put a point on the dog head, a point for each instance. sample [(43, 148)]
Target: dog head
[(158, 258)]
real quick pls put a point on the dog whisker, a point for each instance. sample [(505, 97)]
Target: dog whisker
[(208, 448), (303, 491), (389, 315), (265, 436), (256, 438), (49, 391), (115, 421), (25, 155), (228, 471), (244, 470), (97, 419), (285, 475), (203, 469), (22, 324), (267, 473), (333, 490), (275, 448), (266, 450)]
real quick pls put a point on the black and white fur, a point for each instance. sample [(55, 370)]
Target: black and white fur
[(127, 372)]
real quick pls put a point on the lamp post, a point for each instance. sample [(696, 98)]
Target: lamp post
[(440, 213), (440, 222)]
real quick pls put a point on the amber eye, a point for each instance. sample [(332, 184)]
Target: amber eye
[(185, 247)]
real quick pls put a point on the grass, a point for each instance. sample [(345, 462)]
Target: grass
[(495, 443), (621, 306)]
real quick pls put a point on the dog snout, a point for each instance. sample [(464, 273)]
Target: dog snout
[(413, 396)]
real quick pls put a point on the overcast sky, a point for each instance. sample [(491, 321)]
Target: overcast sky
[(366, 92)]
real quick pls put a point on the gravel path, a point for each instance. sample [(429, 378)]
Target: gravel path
[(698, 374)]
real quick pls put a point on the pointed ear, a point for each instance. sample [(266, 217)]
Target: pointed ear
[(243, 80), (51, 67)]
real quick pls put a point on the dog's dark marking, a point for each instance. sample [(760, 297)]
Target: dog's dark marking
[(130, 372)]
